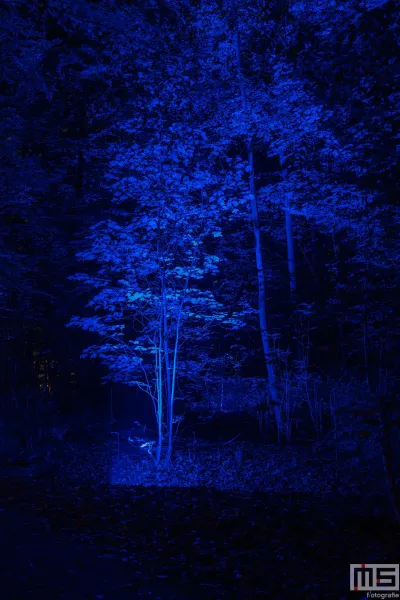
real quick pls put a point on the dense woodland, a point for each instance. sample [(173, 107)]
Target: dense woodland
[(230, 167), (227, 175), (199, 240)]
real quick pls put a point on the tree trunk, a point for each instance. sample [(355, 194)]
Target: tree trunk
[(294, 333), (159, 407), (166, 350), (174, 368), (289, 233), (262, 308)]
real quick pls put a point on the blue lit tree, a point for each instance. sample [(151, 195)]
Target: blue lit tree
[(155, 265)]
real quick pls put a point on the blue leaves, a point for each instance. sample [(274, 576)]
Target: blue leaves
[(153, 263)]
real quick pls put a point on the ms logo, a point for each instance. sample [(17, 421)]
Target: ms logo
[(374, 578)]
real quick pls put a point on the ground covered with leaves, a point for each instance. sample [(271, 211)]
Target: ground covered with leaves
[(70, 533)]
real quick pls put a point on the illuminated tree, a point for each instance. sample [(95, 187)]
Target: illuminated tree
[(155, 266)]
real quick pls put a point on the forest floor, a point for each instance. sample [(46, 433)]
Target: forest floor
[(72, 535)]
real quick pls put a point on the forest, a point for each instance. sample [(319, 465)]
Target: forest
[(199, 298)]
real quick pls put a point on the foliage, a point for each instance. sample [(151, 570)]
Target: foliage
[(153, 141)]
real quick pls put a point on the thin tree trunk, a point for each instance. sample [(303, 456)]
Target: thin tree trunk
[(294, 332), (289, 233), (159, 394), (172, 398), (166, 347), (174, 370), (262, 308)]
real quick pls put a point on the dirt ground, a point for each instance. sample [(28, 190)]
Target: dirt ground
[(116, 542)]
